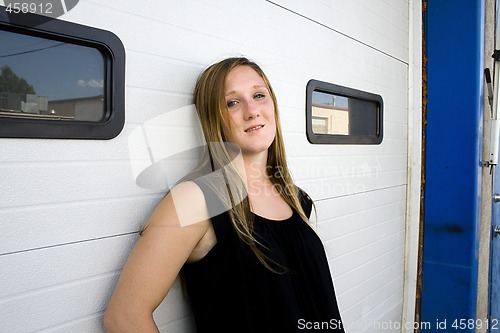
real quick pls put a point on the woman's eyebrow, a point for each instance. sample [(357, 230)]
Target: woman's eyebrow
[(260, 86), (257, 86)]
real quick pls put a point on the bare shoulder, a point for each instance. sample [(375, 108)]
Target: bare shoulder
[(184, 206)]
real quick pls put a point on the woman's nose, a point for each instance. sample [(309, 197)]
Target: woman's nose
[(251, 110)]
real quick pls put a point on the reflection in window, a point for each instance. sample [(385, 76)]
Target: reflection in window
[(49, 79), (330, 114), (342, 115)]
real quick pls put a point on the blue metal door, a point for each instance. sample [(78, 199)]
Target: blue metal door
[(494, 322), (494, 292), (452, 151)]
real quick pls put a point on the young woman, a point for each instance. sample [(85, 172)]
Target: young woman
[(236, 228)]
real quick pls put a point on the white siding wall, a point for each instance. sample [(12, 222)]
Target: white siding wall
[(70, 210)]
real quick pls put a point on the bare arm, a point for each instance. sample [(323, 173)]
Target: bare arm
[(174, 229)]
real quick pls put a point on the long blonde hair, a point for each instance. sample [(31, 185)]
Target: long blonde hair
[(209, 99)]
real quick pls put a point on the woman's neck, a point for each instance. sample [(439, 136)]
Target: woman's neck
[(256, 167), (265, 198)]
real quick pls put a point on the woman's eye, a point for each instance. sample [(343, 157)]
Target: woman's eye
[(231, 103), (259, 96)]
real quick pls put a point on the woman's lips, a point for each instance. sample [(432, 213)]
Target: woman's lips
[(254, 128)]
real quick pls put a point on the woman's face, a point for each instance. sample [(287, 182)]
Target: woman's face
[(251, 111)]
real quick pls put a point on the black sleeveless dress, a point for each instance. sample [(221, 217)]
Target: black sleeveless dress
[(231, 291)]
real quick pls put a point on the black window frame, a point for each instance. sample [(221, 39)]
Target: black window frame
[(330, 88), (114, 56)]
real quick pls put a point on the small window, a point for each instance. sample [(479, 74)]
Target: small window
[(341, 115), (59, 79)]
